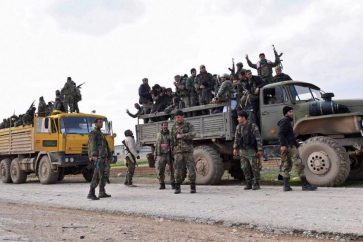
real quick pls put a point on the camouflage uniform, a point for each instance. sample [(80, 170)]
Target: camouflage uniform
[(248, 140), (163, 156), (190, 86), (98, 147), (225, 91), (42, 107), (264, 68), (183, 151)]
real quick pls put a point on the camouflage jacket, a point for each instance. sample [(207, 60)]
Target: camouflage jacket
[(163, 141), (225, 91), (185, 144), (97, 145), (247, 136)]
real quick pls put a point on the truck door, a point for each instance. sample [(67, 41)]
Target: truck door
[(46, 134), (272, 100)]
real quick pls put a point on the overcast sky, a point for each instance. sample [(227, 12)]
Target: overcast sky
[(112, 44)]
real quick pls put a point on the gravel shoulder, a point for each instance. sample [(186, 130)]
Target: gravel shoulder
[(336, 212)]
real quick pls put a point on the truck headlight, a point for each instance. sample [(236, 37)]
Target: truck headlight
[(67, 159), (71, 159)]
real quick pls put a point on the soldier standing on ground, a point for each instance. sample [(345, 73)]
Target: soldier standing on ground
[(182, 134), (248, 145), (163, 156), (100, 155), (289, 152), (132, 153), (280, 76), (264, 67)]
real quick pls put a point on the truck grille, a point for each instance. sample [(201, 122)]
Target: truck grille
[(84, 149)]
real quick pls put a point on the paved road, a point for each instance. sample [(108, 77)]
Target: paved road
[(336, 210)]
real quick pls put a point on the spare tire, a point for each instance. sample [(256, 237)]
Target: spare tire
[(326, 162)]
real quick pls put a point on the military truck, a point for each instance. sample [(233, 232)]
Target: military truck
[(329, 132), (51, 147)]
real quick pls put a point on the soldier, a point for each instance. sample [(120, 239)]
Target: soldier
[(248, 145), (239, 69), (50, 108), (279, 77), (190, 85), (145, 98), (163, 156), (139, 112), (182, 134), (225, 91), (77, 97), (42, 107), (205, 84), (264, 67), (58, 105), (69, 92), (28, 117), (99, 154), (132, 153), (289, 152), (252, 87)]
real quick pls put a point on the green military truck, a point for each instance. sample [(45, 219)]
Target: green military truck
[(330, 134)]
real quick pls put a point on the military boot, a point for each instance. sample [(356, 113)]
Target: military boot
[(173, 185), (256, 186), (286, 184), (91, 195), (177, 188), (162, 186), (306, 186), (248, 185), (103, 194), (193, 189)]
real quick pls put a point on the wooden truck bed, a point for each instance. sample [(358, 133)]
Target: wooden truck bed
[(17, 140)]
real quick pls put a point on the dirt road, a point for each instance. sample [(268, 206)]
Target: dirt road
[(336, 212), (35, 223)]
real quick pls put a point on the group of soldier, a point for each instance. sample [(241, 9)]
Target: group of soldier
[(240, 88), (66, 100)]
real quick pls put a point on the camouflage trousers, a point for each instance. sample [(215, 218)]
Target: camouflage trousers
[(161, 161), (291, 158), (130, 169), (249, 165), (100, 174), (183, 161)]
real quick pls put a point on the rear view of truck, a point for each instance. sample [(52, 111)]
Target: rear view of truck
[(52, 147)]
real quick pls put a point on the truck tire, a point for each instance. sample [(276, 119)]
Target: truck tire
[(5, 171), (209, 165), (356, 168), (45, 173), (87, 174), (17, 175), (326, 162)]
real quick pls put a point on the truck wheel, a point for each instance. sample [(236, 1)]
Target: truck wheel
[(356, 168), (45, 173), (87, 174), (17, 175), (209, 165), (5, 171), (326, 162)]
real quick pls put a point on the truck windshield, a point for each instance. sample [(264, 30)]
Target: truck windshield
[(81, 125), (304, 93)]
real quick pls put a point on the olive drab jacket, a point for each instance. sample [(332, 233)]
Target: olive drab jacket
[(163, 142), (247, 137), (97, 145), (225, 91), (185, 144)]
